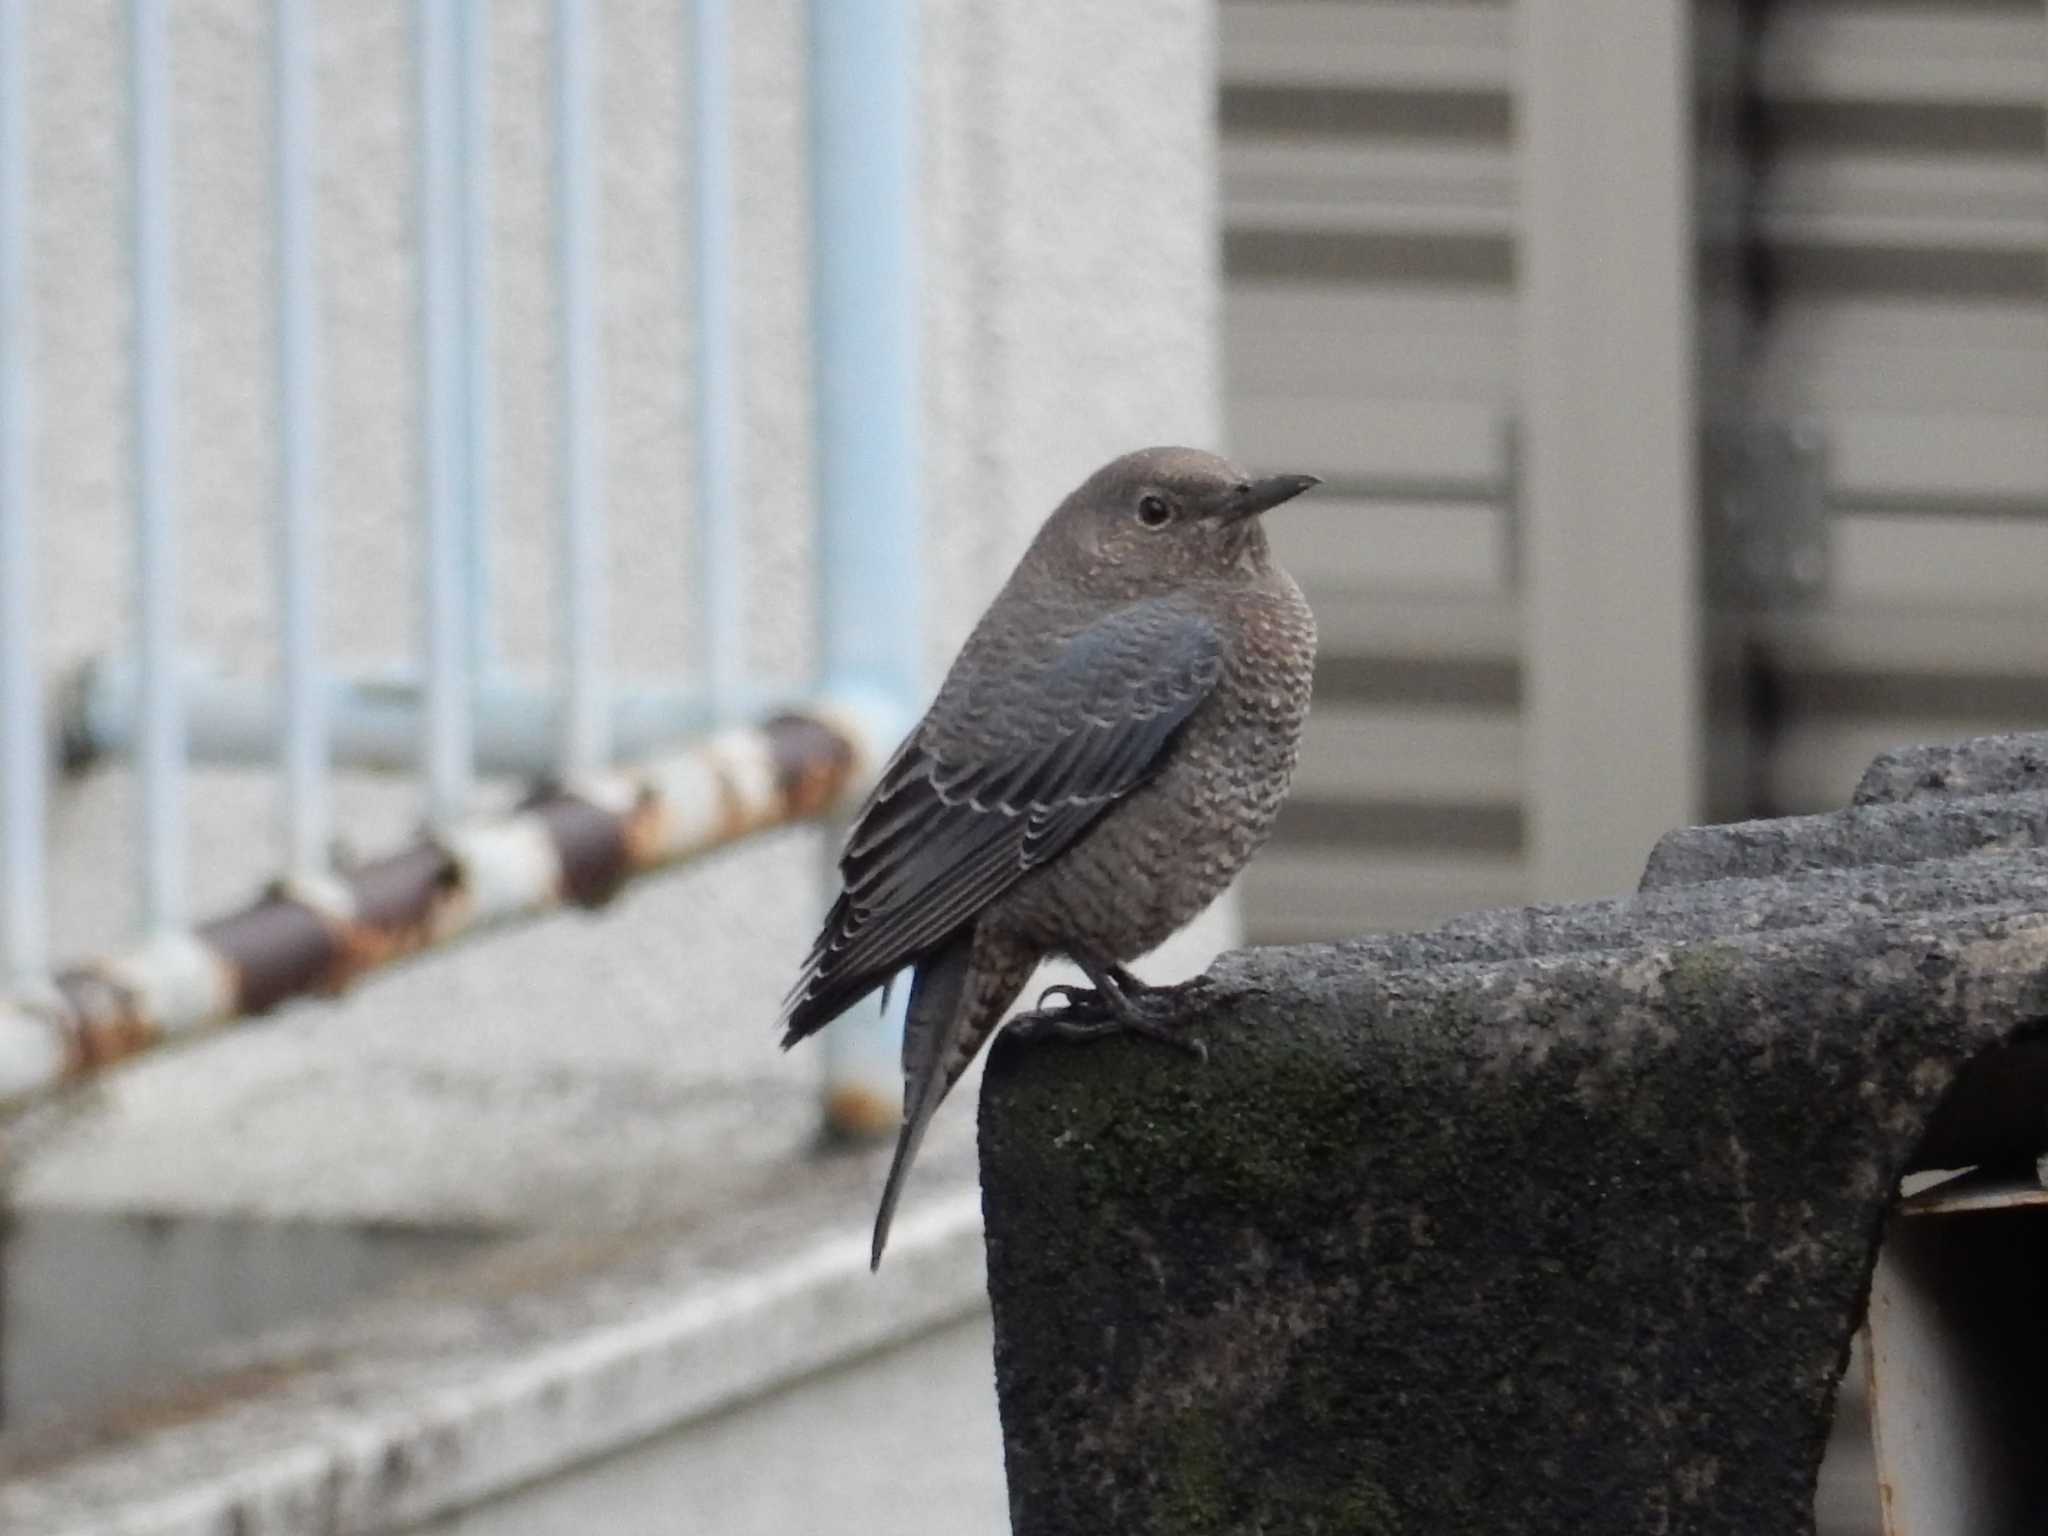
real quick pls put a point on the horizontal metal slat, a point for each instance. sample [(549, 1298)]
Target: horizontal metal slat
[(1867, 636), (1371, 188), (1845, 635), (1908, 54), (1427, 756), (1966, 562), (1820, 352), (1455, 452), (1424, 828), (1381, 47), (1916, 54), (1885, 459), (1930, 357), (1454, 449), (1946, 202), (1916, 696), (1342, 544), (1376, 628), (1880, 618), (1360, 340), (1294, 896)]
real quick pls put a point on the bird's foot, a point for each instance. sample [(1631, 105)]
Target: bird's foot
[(1123, 1007)]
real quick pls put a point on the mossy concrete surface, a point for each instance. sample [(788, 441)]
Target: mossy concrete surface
[(1554, 1220)]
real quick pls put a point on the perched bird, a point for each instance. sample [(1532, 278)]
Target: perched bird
[(1107, 752)]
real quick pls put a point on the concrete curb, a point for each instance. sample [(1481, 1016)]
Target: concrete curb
[(536, 1356)]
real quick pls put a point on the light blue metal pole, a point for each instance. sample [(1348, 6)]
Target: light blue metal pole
[(161, 733), (376, 719), (302, 671), (447, 753), (718, 588), (584, 621), (864, 226), (863, 109), (479, 487), (24, 946)]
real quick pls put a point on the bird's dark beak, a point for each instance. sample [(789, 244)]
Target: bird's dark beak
[(1263, 495)]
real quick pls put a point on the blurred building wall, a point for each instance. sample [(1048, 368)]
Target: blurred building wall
[(1069, 296), (1883, 287)]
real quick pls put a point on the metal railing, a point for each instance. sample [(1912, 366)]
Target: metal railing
[(637, 776)]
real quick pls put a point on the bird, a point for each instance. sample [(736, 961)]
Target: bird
[(1106, 752)]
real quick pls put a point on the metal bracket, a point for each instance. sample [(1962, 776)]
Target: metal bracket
[(1765, 497)]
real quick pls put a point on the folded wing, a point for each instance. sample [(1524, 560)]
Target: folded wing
[(961, 815)]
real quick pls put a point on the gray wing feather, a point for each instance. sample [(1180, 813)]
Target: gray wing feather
[(952, 825)]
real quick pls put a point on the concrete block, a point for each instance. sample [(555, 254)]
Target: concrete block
[(1550, 1220), (1983, 765)]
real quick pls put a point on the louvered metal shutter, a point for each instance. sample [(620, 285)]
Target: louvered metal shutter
[(1904, 213), (1901, 209)]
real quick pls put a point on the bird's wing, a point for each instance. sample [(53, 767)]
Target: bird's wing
[(952, 825)]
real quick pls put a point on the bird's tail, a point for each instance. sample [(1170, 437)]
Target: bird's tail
[(931, 1017)]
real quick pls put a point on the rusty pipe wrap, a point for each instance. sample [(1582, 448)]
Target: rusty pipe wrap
[(565, 846)]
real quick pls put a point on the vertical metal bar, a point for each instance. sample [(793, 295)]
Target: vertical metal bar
[(863, 117), (447, 749), (479, 489), (303, 715), (1609, 439), (586, 717), (24, 947), (161, 727), (863, 106), (718, 584)]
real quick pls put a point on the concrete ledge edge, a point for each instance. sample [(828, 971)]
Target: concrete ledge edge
[(440, 1401)]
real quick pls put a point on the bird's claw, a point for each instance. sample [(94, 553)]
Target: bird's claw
[(1076, 1002), (1089, 1013)]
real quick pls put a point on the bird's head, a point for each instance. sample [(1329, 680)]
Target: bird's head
[(1163, 518)]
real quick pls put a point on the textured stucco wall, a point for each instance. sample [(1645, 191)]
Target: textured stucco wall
[(1070, 296)]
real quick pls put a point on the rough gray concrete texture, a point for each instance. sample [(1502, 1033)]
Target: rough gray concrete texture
[(505, 1371), (1983, 765), (589, 1068), (1925, 827), (1548, 1221)]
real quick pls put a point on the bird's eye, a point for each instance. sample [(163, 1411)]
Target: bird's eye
[(1153, 511)]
